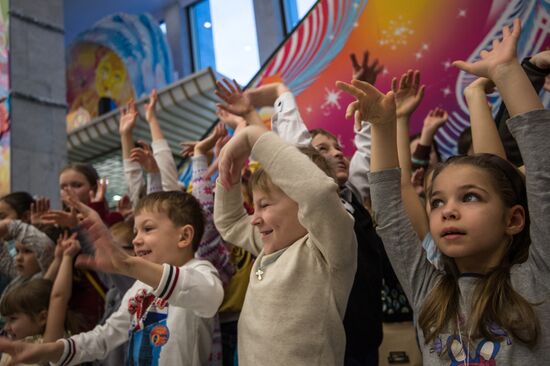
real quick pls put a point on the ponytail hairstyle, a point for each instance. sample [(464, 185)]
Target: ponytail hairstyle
[(495, 302)]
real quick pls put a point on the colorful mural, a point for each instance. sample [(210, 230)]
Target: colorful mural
[(121, 57), (423, 34), (4, 99)]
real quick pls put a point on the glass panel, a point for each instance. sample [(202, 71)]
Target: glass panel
[(224, 37)]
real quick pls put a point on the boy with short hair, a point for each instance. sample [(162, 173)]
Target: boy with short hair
[(167, 314), (306, 253)]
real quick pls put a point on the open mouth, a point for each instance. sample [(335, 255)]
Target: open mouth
[(143, 253)]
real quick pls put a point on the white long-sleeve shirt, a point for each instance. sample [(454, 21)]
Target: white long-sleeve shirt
[(169, 325), (289, 125)]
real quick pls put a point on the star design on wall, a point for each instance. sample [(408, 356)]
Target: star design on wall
[(332, 99), (446, 91), (462, 13)]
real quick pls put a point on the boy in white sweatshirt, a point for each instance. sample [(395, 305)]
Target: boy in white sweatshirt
[(167, 314)]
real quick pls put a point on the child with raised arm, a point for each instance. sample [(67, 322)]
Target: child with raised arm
[(167, 314), (36, 311), (490, 304), (306, 252)]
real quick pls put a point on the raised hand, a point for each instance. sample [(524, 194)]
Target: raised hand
[(434, 120), (541, 60), (235, 153), (69, 244), (207, 144), (144, 156), (127, 119), (39, 207), (364, 71), (232, 120), (188, 148), (408, 94), (150, 107), (213, 167), (372, 105), (481, 85), (99, 194), (502, 54), (124, 206), (61, 218), (236, 102), (108, 257)]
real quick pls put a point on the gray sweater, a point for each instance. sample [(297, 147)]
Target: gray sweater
[(530, 279)]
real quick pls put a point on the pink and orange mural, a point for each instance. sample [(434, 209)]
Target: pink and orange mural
[(425, 35), (5, 154)]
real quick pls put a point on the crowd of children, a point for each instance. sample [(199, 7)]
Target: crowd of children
[(294, 254)]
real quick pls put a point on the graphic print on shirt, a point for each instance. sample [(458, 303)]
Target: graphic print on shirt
[(148, 332), (484, 354)]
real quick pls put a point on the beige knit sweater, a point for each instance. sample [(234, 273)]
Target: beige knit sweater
[(293, 315)]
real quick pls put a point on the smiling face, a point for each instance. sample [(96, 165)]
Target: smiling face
[(26, 264), (158, 240), (332, 151), (20, 325), (276, 218), (468, 219)]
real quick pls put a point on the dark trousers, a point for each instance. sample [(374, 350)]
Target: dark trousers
[(229, 342), (368, 358)]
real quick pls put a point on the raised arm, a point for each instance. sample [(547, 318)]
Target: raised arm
[(211, 246), (408, 95), (286, 120), (530, 127), (298, 177), (236, 102), (61, 291), (485, 137), (360, 161), (161, 150), (400, 240), (132, 171)]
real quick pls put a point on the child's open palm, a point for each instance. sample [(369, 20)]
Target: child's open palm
[(127, 119), (408, 94), (374, 106), (108, 256), (502, 53), (150, 107), (237, 102), (435, 119)]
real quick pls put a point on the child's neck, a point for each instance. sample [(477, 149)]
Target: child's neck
[(182, 258)]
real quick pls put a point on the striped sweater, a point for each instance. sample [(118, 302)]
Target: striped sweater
[(212, 247)]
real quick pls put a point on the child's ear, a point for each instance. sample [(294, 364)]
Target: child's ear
[(42, 318), (187, 233), (515, 220)]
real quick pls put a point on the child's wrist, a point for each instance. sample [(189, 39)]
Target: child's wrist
[(131, 266), (501, 71)]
